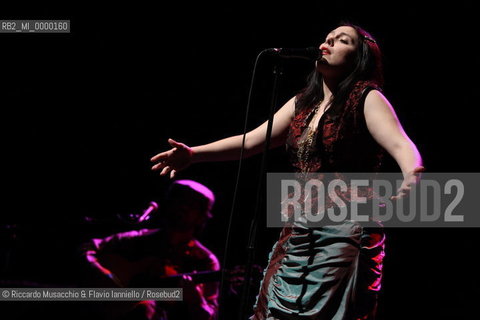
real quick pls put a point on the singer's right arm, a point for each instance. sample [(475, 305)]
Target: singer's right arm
[(229, 148), (181, 156)]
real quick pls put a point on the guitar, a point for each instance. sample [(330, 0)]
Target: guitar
[(154, 273)]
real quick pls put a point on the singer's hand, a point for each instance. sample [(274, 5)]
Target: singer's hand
[(173, 160), (411, 179)]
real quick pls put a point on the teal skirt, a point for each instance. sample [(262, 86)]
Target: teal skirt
[(328, 273)]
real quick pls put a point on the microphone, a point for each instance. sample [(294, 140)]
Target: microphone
[(310, 53), (146, 214)]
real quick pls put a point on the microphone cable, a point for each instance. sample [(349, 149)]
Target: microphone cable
[(237, 182)]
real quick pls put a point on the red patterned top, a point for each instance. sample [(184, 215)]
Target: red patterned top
[(342, 142)]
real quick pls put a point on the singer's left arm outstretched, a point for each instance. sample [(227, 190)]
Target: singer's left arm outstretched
[(384, 126)]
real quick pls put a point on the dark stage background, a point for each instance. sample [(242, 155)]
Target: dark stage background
[(83, 112)]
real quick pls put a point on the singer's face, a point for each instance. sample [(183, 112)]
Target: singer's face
[(338, 51)]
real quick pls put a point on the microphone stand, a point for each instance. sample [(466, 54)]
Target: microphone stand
[(277, 72)]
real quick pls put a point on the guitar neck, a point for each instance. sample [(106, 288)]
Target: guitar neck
[(174, 280)]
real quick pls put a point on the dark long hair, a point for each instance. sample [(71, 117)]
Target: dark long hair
[(368, 66)]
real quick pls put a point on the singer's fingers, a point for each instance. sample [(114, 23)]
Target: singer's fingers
[(394, 198), (174, 143), (406, 188), (173, 173), (399, 196), (165, 170), (159, 166), (160, 156)]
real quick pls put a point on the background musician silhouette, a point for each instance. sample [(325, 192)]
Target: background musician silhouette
[(150, 257)]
